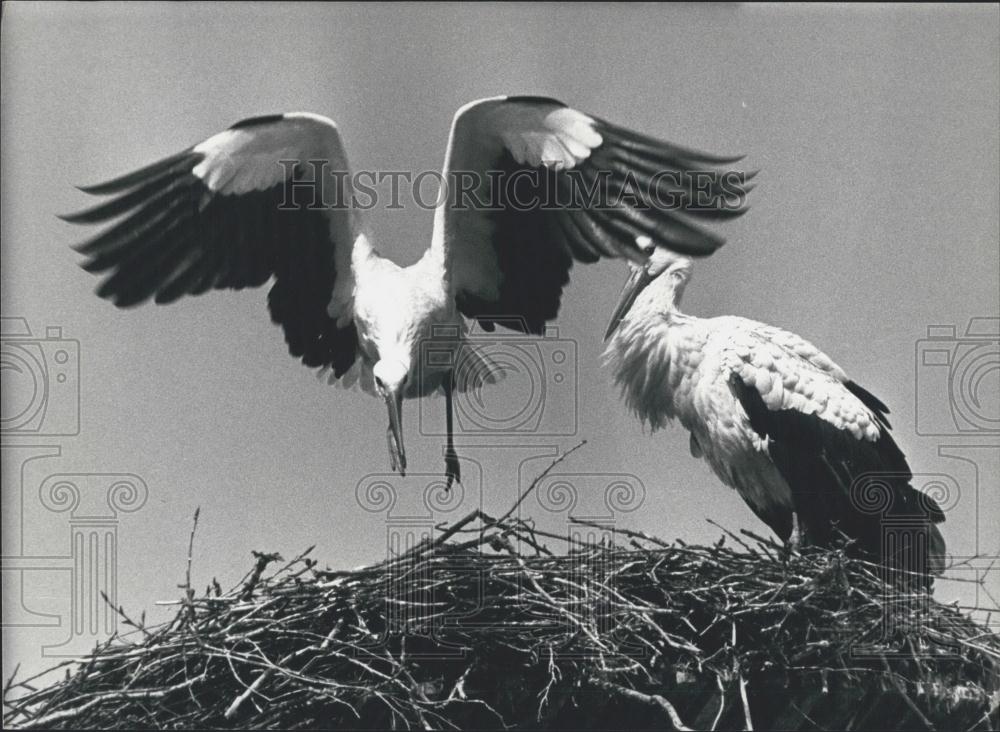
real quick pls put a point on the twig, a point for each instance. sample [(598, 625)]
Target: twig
[(424, 642), (538, 479), (746, 702), (654, 699), (188, 589), (722, 702)]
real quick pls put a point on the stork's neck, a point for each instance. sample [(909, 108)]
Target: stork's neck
[(362, 253), (661, 298), (433, 262), (643, 351)]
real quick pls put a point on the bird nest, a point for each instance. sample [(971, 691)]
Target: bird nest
[(483, 626)]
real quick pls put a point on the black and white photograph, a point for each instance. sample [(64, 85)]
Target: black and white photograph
[(500, 366)]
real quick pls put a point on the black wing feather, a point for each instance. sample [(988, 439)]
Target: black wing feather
[(176, 238), (166, 168), (871, 401), (826, 467), (535, 248), (532, 255)]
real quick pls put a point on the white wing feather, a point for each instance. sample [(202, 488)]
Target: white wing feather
[(513, 258), (789, 372)]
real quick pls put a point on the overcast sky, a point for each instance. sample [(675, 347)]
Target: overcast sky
[(876, 216)]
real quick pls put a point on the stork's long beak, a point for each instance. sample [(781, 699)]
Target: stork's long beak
[(397, 454), (634, 285)]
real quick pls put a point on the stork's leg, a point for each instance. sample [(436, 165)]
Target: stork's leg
[(452, 470), (795, 539), (392, 448)]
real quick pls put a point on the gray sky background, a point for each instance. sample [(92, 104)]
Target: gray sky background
[(876, 215)]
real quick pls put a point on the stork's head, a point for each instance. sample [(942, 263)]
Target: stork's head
[(659, 282), (390, 376)]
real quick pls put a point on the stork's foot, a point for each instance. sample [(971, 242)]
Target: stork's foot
[(452, 469), (397, 458)]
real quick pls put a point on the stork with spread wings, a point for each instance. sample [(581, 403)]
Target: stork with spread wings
[(218, 216)]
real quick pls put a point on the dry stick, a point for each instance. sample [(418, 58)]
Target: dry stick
[(120, 611), (50, 719), (558, 537), (426, 545), (743, 686), (263, 559), (491, 522), (194, 527), (537, 480), (906, 698), (234, 707), (746, 702), (553, 603), (275, 622), (734, 537), (456, 527), (528, 538), (722, 702), (760, 539), (300, 558), (654, 699), (188, 590), (10, 682), (627, 532)]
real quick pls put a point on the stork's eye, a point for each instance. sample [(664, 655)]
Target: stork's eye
[(379, 383)]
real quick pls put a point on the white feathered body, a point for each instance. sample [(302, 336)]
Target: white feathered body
[(774, 417), (676, 366)]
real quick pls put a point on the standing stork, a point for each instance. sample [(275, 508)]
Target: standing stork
[(217, 215), (808, 449)]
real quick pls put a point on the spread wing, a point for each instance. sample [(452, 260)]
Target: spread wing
[(245, 205), (535, 185), (830, 440)]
